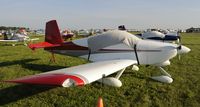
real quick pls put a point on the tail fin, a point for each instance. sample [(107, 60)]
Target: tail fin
[(52, 36), (52, 33)]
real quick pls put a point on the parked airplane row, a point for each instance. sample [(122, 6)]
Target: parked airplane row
[(109, 52), (20, 37)]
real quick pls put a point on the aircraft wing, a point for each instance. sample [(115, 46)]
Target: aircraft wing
[(78, 75), (9, 40)]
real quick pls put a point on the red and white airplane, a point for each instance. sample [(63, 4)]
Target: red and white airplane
[(110, 52)]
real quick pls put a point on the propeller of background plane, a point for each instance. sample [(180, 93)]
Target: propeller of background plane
[(180, 44)]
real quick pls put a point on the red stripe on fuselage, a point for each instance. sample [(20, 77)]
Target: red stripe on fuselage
[(129, 50), (67, 46), (72, 46)]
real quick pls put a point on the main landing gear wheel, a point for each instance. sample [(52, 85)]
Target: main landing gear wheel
[(164, 78)]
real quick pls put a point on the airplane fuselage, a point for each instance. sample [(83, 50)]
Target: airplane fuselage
[(147, 52)]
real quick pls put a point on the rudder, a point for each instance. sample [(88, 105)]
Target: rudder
[(52, 33)]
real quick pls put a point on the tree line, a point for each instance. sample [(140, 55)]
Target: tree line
[(12, 28)]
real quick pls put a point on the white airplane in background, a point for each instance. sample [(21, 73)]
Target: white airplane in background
[(110, 52), (21, 36), (83, 32), (156, 35), (165, 36)]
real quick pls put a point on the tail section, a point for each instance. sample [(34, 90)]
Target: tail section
[(52, 33), (52, 36)]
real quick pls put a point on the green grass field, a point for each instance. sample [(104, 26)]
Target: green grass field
[(137, 90)]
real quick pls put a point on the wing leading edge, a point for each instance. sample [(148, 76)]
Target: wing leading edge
[(78, 75)]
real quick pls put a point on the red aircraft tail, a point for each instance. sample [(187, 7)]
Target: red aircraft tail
[(52, 33), (52, 36)]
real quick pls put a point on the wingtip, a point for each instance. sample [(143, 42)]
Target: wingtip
[(49, 79)]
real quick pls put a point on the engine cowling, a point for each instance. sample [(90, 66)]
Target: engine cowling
[(111, 81)]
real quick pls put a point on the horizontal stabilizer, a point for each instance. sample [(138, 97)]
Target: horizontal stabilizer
[(42, 45)]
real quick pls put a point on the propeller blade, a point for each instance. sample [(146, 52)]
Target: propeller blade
[(179, 57), (180, 39), (180, 45), (179, 48)]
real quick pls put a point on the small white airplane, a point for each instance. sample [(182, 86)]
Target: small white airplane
[(83, 32), (110, 52), (18, 37), (156, 35), (165, 36), (67, 34)]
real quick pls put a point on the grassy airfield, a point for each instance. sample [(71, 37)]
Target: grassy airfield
[(137, 89)]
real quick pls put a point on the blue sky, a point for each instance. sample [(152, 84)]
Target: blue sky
[(85, 14)]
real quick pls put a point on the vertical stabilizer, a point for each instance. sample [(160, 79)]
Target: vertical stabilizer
[(52, 33)]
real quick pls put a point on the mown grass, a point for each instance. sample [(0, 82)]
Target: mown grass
[(137, 89)]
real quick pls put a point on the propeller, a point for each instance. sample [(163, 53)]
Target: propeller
[(179, 37), (179, 55), (180, 45)]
